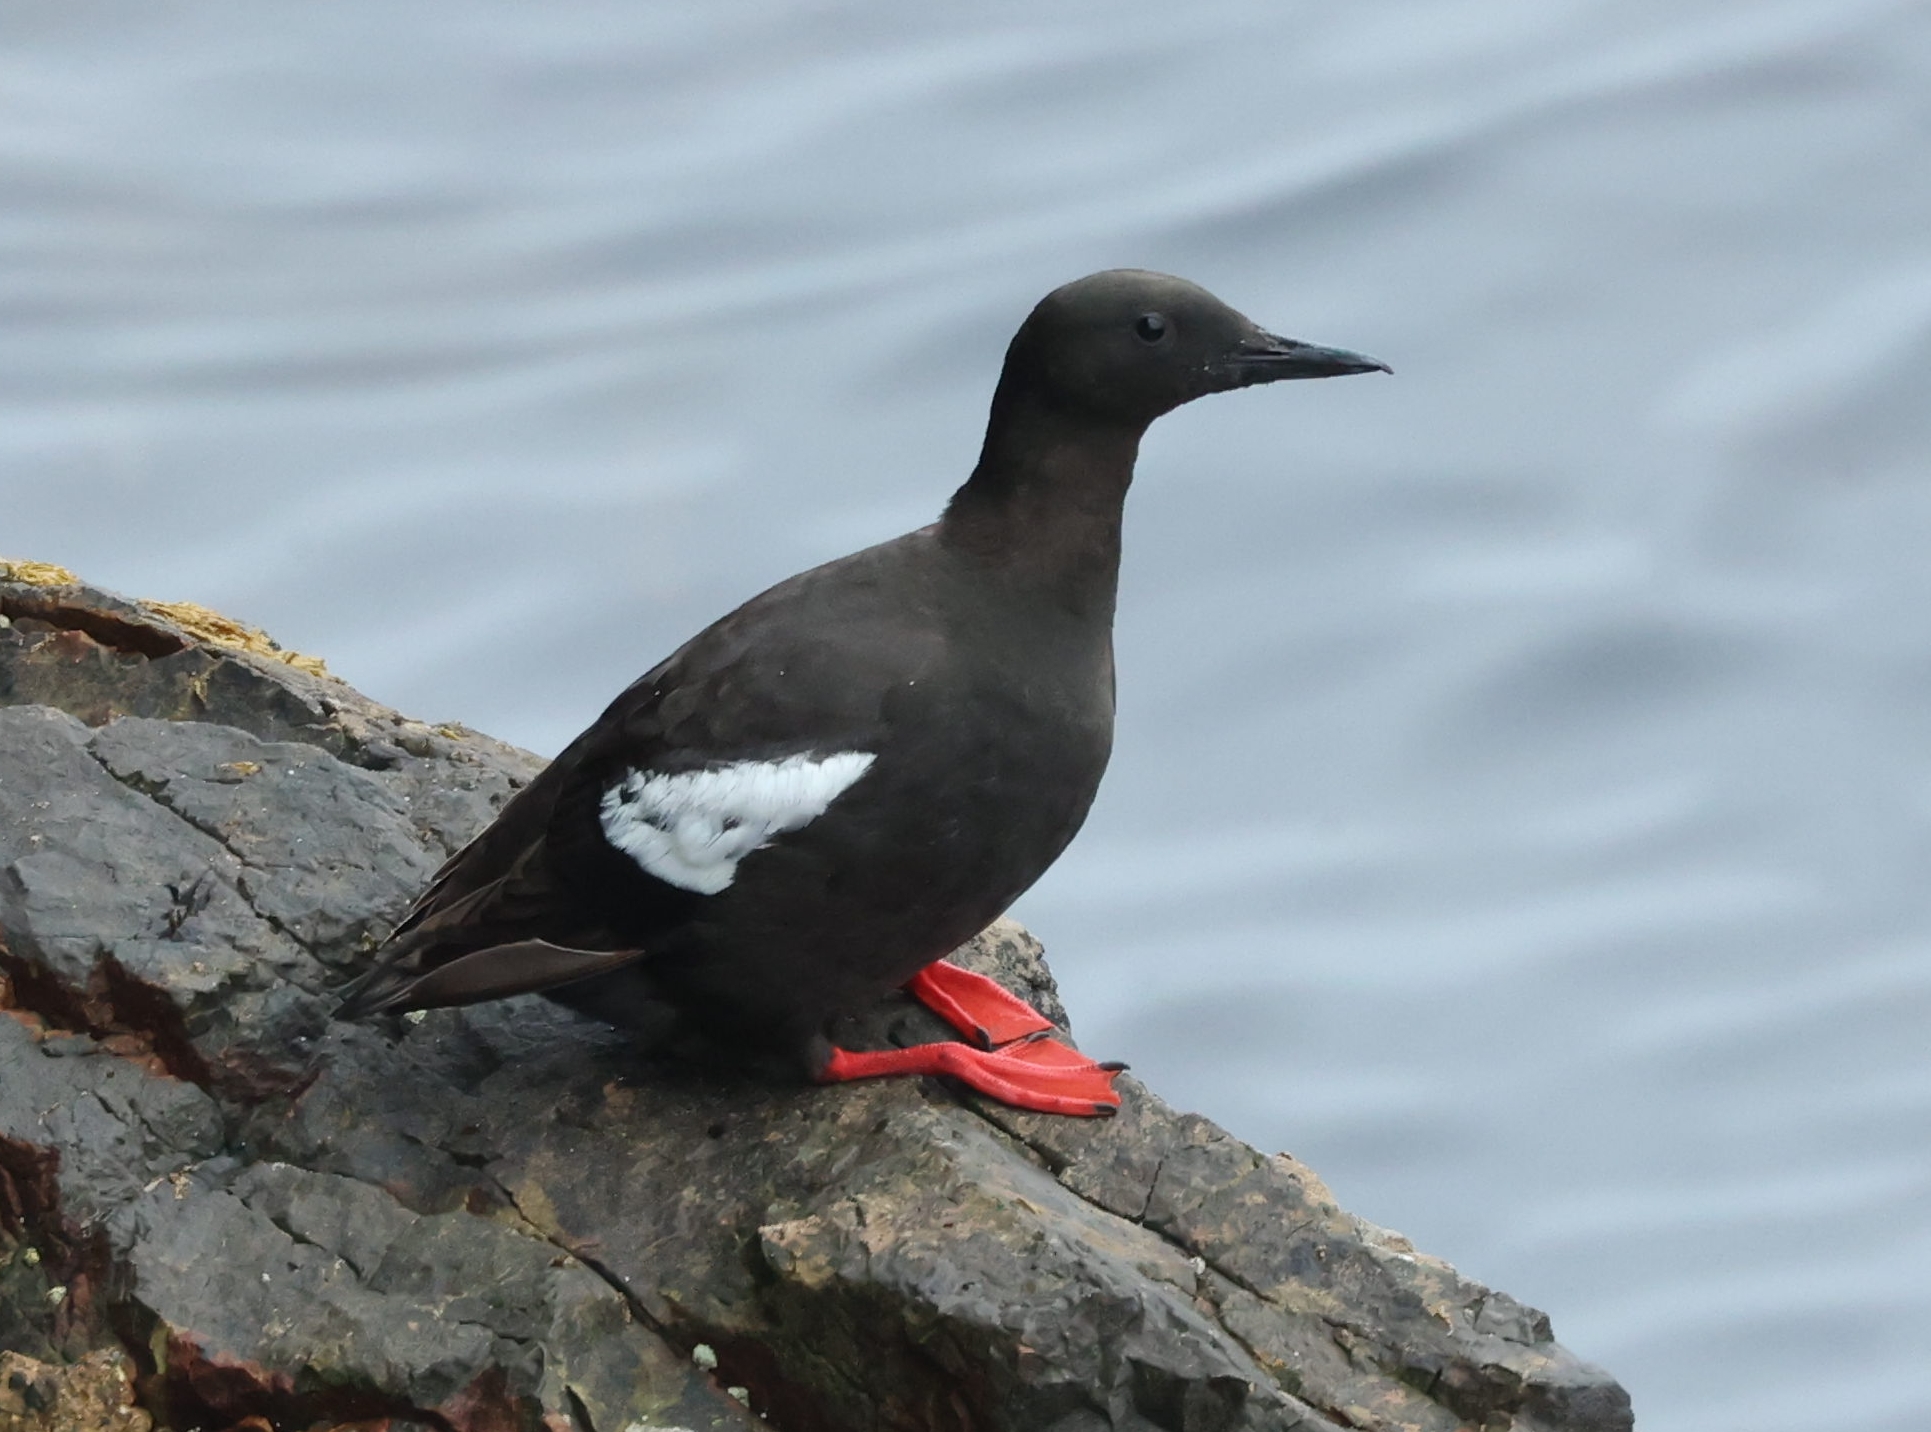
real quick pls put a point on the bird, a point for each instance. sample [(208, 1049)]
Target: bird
[(821, 795)]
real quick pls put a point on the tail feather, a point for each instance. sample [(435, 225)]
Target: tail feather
[(494, 972)]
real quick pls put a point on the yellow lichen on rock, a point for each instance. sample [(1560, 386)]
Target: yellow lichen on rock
[(95, 1394), (198, 621), (36, 574), (217, 630)]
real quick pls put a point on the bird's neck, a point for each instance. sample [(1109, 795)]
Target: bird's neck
[(1041, 512)]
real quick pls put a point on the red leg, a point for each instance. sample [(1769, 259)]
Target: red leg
[(1040, 1074), (979, 1008)]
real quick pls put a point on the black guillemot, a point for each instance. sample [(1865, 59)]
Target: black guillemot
[(817, 798)]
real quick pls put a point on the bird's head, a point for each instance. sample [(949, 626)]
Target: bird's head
[(1124, 346)]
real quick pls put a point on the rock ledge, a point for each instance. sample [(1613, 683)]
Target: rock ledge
[(502, 1218)]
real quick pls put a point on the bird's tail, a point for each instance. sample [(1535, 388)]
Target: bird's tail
[(494, 972)]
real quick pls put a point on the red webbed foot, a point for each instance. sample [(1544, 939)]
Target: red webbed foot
[(979, 1008), (1014, 1064), (1040, 1074)]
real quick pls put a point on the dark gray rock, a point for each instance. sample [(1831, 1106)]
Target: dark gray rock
[(506, 1217)]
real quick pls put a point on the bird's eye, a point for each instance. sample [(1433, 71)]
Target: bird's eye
[(1151, 327)]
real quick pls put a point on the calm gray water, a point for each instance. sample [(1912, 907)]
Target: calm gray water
[(1523, 801)]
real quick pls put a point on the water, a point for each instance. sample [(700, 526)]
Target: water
[(1523, 797)]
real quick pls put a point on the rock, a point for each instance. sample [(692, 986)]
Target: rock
[(95, 1394), (505, 1217)]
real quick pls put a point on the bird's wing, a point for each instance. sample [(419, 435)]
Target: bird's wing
[(746, 734)]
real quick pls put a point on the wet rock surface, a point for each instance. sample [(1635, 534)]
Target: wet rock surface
[(505, 1217)]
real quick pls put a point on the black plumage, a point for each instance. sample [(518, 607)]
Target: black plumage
[(970, 660)]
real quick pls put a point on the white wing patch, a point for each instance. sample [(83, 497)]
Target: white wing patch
[(691, 829)]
